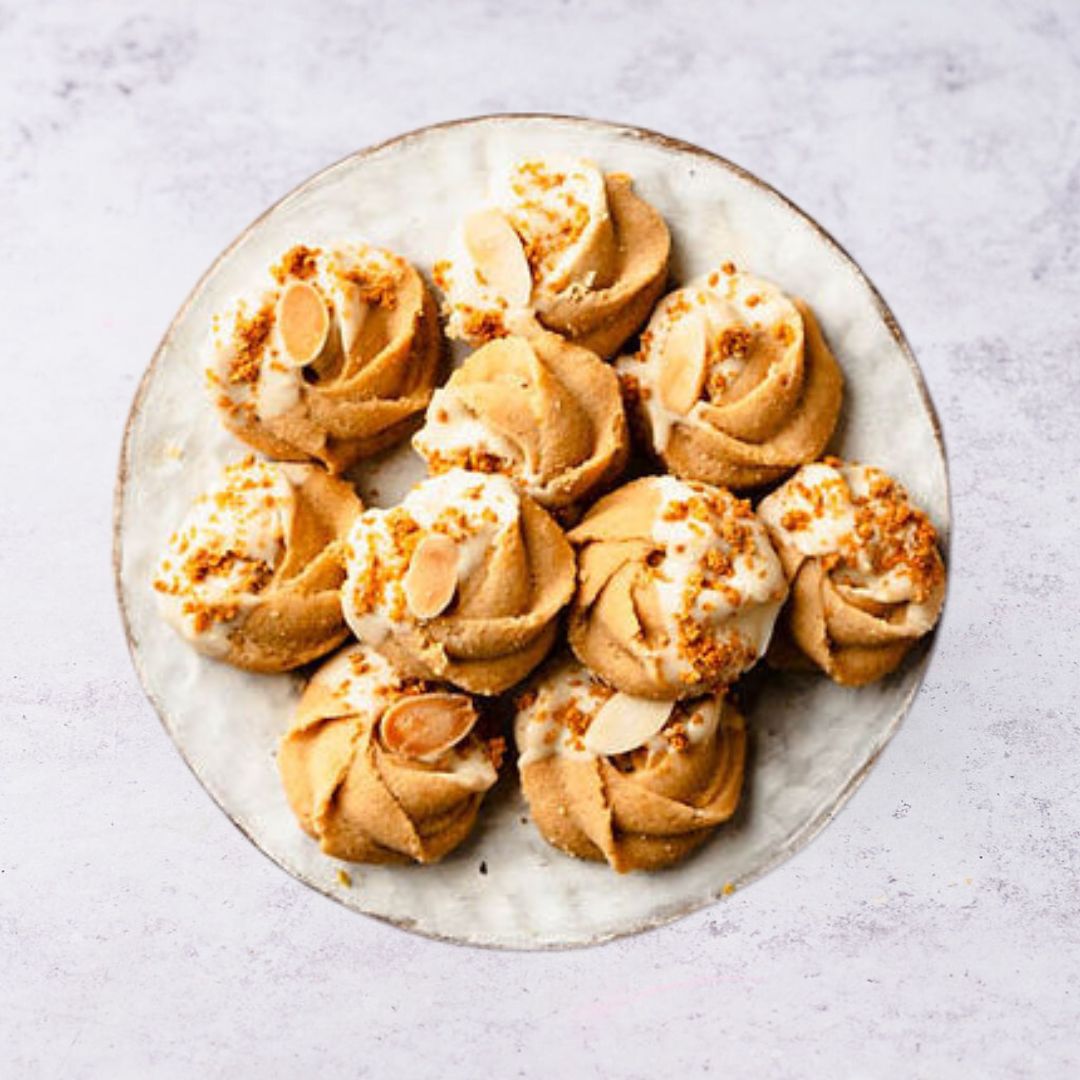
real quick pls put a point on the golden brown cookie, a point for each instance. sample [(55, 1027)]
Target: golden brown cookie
[(867, 579), (379, 768), (253, 575), (539, 410), (562, 244), (333, 362), (678, 588), (462, 582), (733, 382), (636, 782)]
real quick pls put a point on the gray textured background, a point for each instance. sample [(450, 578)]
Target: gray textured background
[(932, 930)]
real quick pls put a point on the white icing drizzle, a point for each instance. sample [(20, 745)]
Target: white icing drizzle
[(451, 428), (537, 730), (361, 679), (540, 733), (814, 513), (724, 303), (745, 608), (474, 509), (228, 545), (820, 534), (471, 766), (557, 207), (470, 297), (278, 389), (279, 381)]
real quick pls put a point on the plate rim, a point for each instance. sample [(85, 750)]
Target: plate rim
[(815, 825)]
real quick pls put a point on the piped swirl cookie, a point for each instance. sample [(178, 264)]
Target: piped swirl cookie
[(733, 381), (543, 412), (462, 582), (867, 578), (678, 588), (379, 768), (636, 782), (561, 243), (253, 575), (333, 361)]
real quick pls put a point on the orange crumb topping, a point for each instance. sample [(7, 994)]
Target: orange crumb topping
[(250, 335), (377, 285), (480, 461), (440, 274), (298, 262)]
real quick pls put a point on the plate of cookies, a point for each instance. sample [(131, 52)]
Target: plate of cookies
[(531, 530)]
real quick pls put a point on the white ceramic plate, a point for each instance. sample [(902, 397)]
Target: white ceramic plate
[(813, 741)]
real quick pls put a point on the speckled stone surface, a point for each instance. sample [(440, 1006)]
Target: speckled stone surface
[(931, 931)]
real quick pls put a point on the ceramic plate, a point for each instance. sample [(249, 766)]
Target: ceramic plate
[(812, 741)]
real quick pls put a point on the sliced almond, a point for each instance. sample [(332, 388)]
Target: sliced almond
[(624, 723), (431, 580), (427, 724), (303, 321), (496, 249), (682, 371)]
